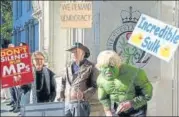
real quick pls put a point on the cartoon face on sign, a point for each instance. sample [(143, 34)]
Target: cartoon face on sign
[(137, 38), (165, 51), (17, 78)]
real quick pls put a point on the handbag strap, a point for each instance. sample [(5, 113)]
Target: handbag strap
[(33, 91)]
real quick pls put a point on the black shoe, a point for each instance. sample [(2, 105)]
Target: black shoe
[(16, 110), (13, 106), (12, 109), (10, 103)]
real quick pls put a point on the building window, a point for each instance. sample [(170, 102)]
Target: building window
[(16, 9), (26, 27), (29, 5), (36, 35), (15, 37), (27, 35), (32, 40), (30, 33), (19, 38), (20, 8)]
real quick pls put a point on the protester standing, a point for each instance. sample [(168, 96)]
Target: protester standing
[(13, 93), (78, 83), (123, 90), (24, 91), (44, 85)]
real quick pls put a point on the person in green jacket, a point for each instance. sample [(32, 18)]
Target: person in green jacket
[(117, 86)]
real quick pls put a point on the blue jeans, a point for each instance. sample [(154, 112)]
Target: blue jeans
[(81, 108), (25, 98), (13, 94)]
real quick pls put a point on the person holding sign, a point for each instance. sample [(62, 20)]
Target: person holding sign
[(25, 89), (16, 70), (123, 90), (14, 92), (78, 83), (44, 85)]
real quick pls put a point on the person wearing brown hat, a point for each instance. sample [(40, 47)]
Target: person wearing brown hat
[(78, 82)]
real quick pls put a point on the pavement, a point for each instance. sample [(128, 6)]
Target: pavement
[(5, 110)]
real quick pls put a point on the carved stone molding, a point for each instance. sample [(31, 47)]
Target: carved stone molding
[(37, 9)]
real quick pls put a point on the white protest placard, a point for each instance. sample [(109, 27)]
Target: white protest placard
[(76, 14), (155, 37)]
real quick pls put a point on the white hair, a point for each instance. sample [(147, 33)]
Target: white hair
[(37, 53), (108, 57), (11, 45), (34, 54)]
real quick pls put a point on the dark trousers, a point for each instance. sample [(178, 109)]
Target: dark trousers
[(15, 95), (81, 108), (141, 112)]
